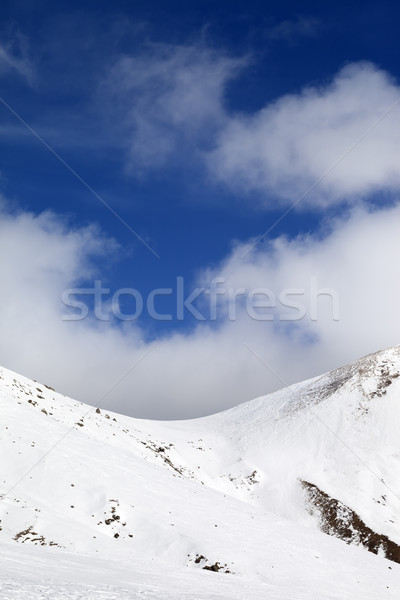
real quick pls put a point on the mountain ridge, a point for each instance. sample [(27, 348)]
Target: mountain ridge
[(86, 480)]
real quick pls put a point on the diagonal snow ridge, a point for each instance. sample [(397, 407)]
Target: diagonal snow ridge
[(170, 498)]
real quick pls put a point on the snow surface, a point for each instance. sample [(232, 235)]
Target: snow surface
[(95, 504)]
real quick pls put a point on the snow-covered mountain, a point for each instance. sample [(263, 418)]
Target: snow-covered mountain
[(235, 505)]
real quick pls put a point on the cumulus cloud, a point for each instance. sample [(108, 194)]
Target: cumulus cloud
[(344, 134), (212, 367), (340, 137), (168, 98)]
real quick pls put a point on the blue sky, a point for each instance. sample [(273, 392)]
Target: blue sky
[(200, 124)]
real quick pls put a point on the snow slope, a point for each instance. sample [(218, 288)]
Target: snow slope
[(96, 504)]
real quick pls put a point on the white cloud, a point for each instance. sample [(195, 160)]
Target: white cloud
[(291, 29), (168, 98), (283, 149), (14, 57), (173, 101), (211, 368), (170, 101)]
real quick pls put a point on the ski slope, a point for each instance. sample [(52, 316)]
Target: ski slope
[(95, 504)]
